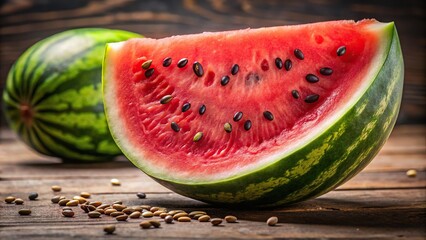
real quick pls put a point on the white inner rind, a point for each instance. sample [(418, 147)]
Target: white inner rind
[(141, 159)]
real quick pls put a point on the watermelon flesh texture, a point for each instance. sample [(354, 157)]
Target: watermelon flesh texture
[(308, 148)]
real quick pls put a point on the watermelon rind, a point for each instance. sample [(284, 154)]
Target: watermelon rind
[(53, 98), (334, 152)]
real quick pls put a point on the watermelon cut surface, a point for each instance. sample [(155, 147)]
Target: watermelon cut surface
[(264, 116)]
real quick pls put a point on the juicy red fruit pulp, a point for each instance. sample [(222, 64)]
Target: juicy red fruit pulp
[(296, 102)]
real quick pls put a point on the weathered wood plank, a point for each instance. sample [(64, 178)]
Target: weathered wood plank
[(369, 214)]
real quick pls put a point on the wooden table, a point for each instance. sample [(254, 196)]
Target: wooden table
[(380, 202)]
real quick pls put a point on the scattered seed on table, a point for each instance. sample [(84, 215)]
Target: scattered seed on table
[(63, 202), (115, 182), (109, 229), (204, 218), (95, 203), (141, 195), (158, 212), (80, 200), (68, 213), (85, 194), (128, 210), (135, 215), (272, 221), (178, 215), (9, 199), (147, 207), (109, 211), (138, 208), (104, 206), (168, 219), (196, 216), (193, 213), (145, 224), (121, 218), (72, 203), (33, 196), (216, 221), (55, 199), (231, 219), (153, 209), (56, 188), (90, 208), (66, 208), (164, 215), (94, 214), (155, 223), (147, 214), (100, 210), (117, 202), (116, 213), (24, 212), (410, 173), (184, 219), (173, 212), (119, 207), (19, 201)]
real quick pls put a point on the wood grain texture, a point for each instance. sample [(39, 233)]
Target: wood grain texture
[(24, 22), (380, 202)]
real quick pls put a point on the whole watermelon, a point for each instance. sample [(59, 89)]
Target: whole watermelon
[(53, 95)]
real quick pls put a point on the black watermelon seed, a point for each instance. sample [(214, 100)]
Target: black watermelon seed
[(186, 107), (182, 63), (299, 54), (247, 125), (341, 50), (295, 94), (149, 72), (166, 99), (234, 69), (198, 69), (167, 61), (175, 127), (312, 98), (279, 63), (224, 80), (311, 78), (326, 71), (141, 194), (268, 115), (288, 64), (202, 109), (238, 116)]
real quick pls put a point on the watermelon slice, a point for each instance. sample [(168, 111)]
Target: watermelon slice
[(264, 116)]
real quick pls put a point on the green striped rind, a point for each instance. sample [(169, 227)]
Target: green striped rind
[(60, 79), (340, 152)]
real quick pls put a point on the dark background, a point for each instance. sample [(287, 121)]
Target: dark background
[(24, 22)]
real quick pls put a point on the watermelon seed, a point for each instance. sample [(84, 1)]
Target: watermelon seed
[(288, 64), (198, 69), (197, 136), (175, 127), (268, 115), (341, 50), (182, 63), (167, 61), (279, 63), (272, 221), (299, 54), (149, 72), (202, 109), (295, 94), (312, 98), (247, 125), (326, 71), (234, 69), (264, 65), (224, 80), (166, 99), (146, 64), (238, 116), (228, 127), (311, 78), (186, 107)]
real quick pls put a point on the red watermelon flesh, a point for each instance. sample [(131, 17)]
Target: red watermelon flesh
[(141, 119)]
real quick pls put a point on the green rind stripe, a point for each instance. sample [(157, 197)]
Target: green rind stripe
[(330, 160)]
